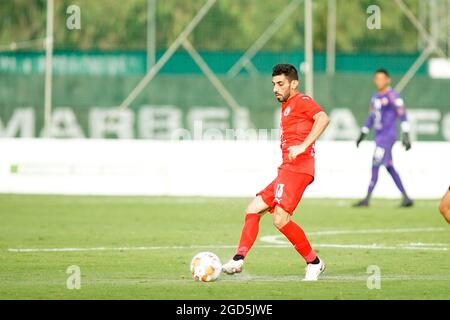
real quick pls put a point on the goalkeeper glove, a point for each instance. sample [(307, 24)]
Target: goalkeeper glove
[(406, 141), (361, 138)]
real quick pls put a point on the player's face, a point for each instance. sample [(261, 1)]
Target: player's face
[(283, 88), (381, 81)]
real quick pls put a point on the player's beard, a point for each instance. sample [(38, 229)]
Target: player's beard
[(283, 98)]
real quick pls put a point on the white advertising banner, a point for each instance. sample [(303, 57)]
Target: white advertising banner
[(208, 168)]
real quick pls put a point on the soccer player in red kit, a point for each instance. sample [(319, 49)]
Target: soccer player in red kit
[(302, 122)]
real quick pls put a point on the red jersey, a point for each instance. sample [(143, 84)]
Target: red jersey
[(296, 123)]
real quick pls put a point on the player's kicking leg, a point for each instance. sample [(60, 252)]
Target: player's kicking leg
[(255, 210), (295, 234)]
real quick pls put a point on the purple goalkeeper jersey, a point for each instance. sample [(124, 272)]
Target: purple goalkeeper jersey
[(384, 110)]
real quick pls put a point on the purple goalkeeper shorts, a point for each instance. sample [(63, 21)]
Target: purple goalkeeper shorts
[(383, 154)]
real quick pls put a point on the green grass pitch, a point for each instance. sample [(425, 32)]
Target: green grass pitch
[(140, 248)]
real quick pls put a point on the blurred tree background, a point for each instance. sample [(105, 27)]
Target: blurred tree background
[(231, 25)]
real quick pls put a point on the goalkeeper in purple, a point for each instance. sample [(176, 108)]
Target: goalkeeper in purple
[(386, 106)]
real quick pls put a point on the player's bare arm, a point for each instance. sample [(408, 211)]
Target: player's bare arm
[(321, 121)]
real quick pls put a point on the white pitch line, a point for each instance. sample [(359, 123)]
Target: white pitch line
[(238, 278), (320, 245), (421, 244), (378, 247), (144, 248), (274, 242), (276, 239), (325, 277), (374, 231)]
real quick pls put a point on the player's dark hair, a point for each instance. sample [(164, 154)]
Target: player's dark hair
[(383, 71), (287, 69)]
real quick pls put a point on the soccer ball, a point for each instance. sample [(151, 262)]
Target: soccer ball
[(205, 267)]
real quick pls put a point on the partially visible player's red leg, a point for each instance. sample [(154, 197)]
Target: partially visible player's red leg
[(249, 233), (444, 206), (294, 233), (314, 265), (298, 238), (251, 227), (289, 191), (255, 210)]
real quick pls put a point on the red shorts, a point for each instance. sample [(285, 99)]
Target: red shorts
[(286, 190)]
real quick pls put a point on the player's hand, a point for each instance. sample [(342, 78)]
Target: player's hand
[(406, 141), (294, 151), (361, 138)]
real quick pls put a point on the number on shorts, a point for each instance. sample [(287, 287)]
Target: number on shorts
[(279, 192), (378, 154)]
